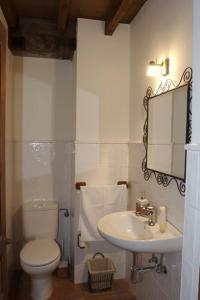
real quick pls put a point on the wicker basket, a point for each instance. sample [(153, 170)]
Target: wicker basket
[(100, 273)]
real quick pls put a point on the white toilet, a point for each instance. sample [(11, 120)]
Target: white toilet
[(41, 254)]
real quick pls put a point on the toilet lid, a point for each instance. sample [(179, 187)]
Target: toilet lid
[(40, 252)]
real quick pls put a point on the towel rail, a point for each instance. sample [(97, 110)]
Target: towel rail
[(123, 182), (78, 185)]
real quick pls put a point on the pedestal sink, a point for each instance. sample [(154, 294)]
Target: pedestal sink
[(131, 232)]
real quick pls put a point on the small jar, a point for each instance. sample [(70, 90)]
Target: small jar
[(141, 206)]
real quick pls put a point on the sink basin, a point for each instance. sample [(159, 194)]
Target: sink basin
[(131, 232)]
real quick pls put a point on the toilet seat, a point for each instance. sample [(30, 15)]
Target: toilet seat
[(37, 253)]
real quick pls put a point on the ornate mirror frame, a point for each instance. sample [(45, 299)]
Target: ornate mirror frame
[(164, 87)]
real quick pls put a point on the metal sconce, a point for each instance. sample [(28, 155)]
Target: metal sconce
[(155, 69)]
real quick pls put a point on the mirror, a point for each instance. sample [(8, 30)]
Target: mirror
[(166, 131), (167, 119)]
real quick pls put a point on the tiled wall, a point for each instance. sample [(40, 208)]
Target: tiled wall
[(166, 287), (43, 170), (160, 286), (99, 164), (191, 241), (157, 194)]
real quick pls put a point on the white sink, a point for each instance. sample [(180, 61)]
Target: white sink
[(131, 232)]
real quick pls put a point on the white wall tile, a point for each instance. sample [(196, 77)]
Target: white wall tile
[(101, 163), (191, 241), (192, 173), (186, 280), (190, 223), (112, 153)]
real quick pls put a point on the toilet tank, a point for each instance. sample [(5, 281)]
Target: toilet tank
[(40, 219)]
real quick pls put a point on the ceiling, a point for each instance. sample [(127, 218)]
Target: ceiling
[(47, 28)]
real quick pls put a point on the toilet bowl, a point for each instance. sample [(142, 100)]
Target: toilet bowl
[(39, 258), (41, 254)]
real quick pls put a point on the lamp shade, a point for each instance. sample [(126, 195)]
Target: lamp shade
[(154, 69)]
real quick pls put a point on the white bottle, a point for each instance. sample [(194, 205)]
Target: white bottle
[(162, 219)]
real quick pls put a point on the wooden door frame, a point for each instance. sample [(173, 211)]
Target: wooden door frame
[(3, 43)]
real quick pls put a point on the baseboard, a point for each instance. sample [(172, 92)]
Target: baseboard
[(63, 264)]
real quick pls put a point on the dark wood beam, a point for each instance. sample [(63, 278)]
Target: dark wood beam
[(63, 14), (40, 38), (117, 16), (9, 12)]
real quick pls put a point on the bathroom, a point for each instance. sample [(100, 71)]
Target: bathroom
[(80, 119)]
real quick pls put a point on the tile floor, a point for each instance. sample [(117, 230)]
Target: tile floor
[(64, 289)]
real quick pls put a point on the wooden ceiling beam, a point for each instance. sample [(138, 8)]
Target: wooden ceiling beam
[(63, 14), (9, 12), (40, 38), (116, 17)]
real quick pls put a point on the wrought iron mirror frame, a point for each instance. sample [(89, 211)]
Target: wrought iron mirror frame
[(164, 87)]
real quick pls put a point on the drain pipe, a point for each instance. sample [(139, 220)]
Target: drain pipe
[(138, 271)]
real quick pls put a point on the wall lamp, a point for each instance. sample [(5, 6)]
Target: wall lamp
[(155, 69)]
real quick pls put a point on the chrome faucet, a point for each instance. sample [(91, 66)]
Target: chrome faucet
[(152, 215)]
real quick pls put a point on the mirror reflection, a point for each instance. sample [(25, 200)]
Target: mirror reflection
[(167, 122)]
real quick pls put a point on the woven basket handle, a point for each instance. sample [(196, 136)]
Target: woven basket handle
[(98, 254)]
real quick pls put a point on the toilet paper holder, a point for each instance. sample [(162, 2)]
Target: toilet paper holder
[(66, 212)]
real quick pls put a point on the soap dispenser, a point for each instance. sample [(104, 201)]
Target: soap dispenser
[(141, 204)]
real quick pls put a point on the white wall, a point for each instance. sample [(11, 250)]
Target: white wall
[(43, 133), (43, 100), (102, 122), (161, 29), (103, 64)]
